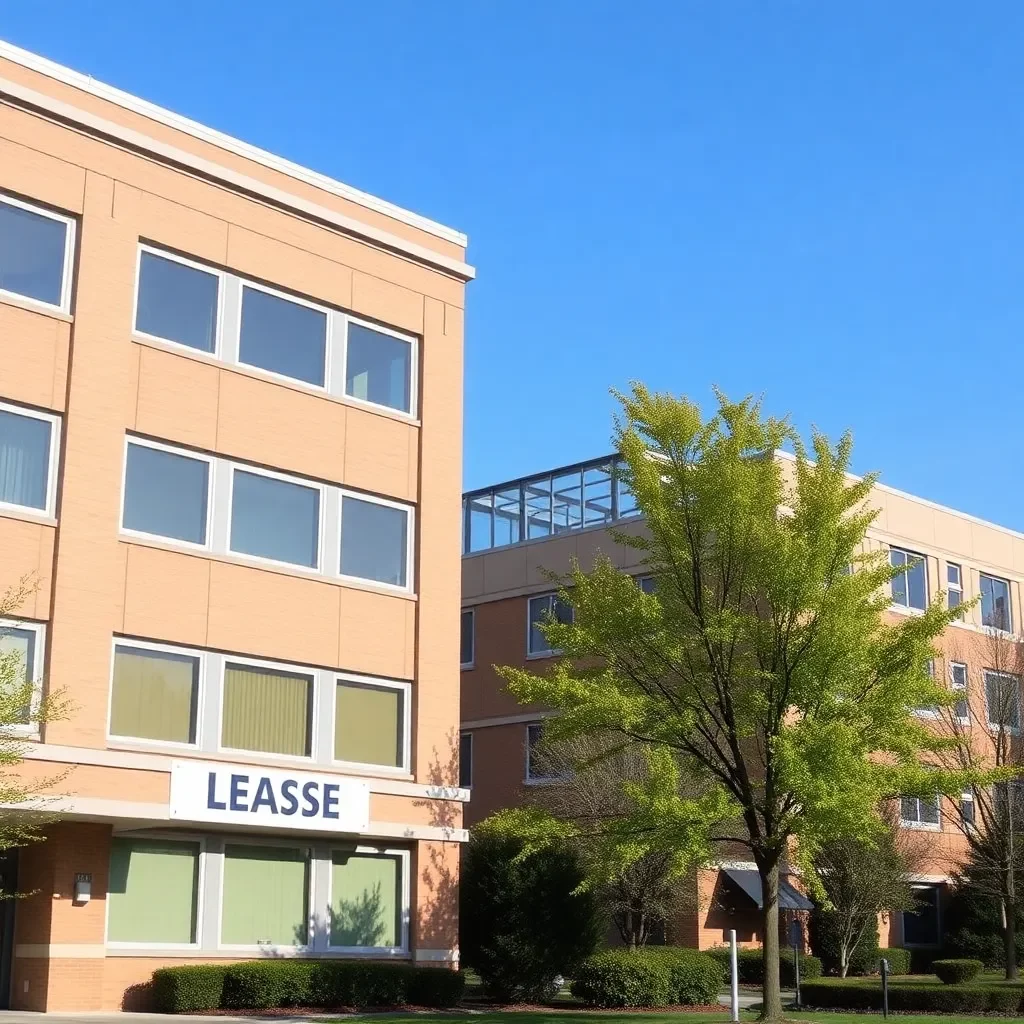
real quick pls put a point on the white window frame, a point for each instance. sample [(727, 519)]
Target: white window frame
[(410, 539), (67, 271), (241, 839), (549, 652), (158, 648), (38, 629), (916, 556), (1009, 602), (955, 588), (414, 371), (190, 838), (310, 485), (405, 689), (49, 512), (918, 825), (961, 688), (384, 851), (466, 734), (132, 439), (967, 797), (1010, 730), (173, 257), (466, 665)]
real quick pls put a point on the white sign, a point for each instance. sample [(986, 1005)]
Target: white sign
[(250, 795)]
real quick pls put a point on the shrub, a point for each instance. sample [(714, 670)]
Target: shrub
[(259, 985), (824, 937), (750, 965), (957, 972), (435, 987), (913, 997), (898, 957), (656, 976), (524, 919), (191, 989)]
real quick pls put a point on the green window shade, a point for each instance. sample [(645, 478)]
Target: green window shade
[(366, 900), (266, 710), (152, 893), (154, 695), (265, 896), (17, 668), (368, 724)]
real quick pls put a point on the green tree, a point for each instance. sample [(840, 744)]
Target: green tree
[(761, 664)]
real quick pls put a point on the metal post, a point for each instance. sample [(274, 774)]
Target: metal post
[(796, 937), (885, 988), (734, 973), (796, 973)]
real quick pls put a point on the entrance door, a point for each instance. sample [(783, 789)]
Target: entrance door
[(8, 886)]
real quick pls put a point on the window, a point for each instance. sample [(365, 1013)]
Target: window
[(275, 519), (921, 926), (265, 899), (540, 766), (1002, 699), (370, 723), (379, 368), (366, 907), (910, 587), (374, 541), (21, 656), (958, 683), (930, 711), (967, 810), (154, 694), (646, 584), (283, 336), (954, 585), (466, 760), (920, 812), (467, 652), (995, 603), (165, 493), (540, 609), (152, 893), (28, 456), (177, 301), (266, 709), (36, 249)]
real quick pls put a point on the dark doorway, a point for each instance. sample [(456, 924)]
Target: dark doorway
[(8, 887)]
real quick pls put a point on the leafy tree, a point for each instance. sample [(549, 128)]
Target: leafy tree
[(760, 665), (973, 922)]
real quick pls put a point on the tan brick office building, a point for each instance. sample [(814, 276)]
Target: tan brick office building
[(514, 531), (230, 453)]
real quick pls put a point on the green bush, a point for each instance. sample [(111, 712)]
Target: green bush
[(913, 997), (750, 965), (259, 985), (824, 932), (957, 972), (898, 957), (190, 989), (656, 976)]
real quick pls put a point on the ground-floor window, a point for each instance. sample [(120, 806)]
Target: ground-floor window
[(265, 896), (921, 926), (366, 900)]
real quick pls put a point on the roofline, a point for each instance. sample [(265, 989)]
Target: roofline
[(166, 117)]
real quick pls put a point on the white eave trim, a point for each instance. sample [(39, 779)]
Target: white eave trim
[(166, 117)]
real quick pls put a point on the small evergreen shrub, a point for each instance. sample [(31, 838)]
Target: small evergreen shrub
[(656, 976), (192, 989), (957, 972), (898, 957)]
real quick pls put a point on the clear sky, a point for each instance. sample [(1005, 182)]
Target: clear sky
[(820, 202)]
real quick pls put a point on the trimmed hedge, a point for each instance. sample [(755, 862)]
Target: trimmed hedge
[(750, 966), (656, 976), (266, 984), (957, 972), (912, 997), (898, 957)]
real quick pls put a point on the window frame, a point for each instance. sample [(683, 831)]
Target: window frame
[(201, 694), (550, 652), (957, 588), (173, 257), (406, 906), (967, 797), (414, 369), (542, 780), (917, 556), (30, 729), (1008, 628), (160, 446), (1010, 730), (960, 688), (917, 824), (410, 540), (466, 665), (405, 688), (54, 420), (67, 271)]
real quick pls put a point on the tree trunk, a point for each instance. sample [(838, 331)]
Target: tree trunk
[(1009, 941), (771, 989)]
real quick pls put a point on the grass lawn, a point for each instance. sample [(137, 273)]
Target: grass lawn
[(654, 1017)]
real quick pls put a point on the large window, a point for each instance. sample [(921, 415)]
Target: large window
[(467, 638), (283, 336), (154, 694), (28, 459), (266, 896), (1002, 699), (274, 518), (371, 723), (152, 894), (920, 812), (995, 603), (366, 909), (541, 764), (379, 368), (374, 541), (541, 610), (177, 300), (921, 926), (21, 658), (166, 493), (36, 253), (909, 587), (266, 709)]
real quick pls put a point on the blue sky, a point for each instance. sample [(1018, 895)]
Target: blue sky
[(822, 203)]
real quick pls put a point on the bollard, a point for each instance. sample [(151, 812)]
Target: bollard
[(734, 972), (885, 988)]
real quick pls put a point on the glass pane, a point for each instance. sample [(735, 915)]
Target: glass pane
[(275, 519), (908, 808), (953, 574), (366, 900), (154, 695), (597, 495), (563, 611), (647, 584), (265, 896), (929, 810), (539, 608), (466, 646), (266, 710), (917, 587), (282, 336), (967, 811), (958, 676), (625, 499), (165, 494), (899, 583), (567, 502), (152, 891), (24, 459), (921, 927), (378, 368), (31, 254), (368, 724), (176, 302), (538, 507), (479, 522), (466, 760), (18, 665), (374, 541), (508, 525), (995, 603), (953, 598)]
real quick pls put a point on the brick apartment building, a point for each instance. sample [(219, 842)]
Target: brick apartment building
[(230, 437), (514, 531)]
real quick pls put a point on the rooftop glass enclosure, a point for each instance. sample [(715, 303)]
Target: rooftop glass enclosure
[(570, 498)]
